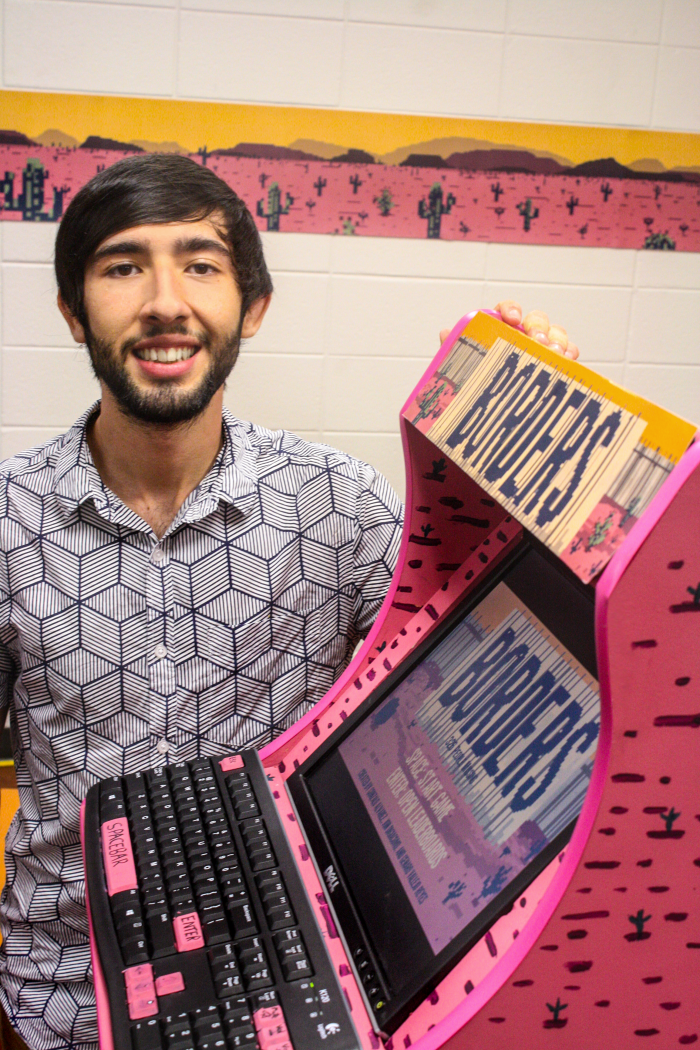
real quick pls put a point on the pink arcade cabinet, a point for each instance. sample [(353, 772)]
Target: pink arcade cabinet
[(603, 947), (495, 811)]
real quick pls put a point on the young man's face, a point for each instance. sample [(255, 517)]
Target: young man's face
[(164, 316)]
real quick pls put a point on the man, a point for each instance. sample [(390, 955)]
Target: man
[(173, 582)]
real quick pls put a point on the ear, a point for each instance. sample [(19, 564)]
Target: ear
[(77, 330), (254, 317)]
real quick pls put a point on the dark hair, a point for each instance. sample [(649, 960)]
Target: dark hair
[(155, 188)]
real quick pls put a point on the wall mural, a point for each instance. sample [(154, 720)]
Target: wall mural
[(369, 174)]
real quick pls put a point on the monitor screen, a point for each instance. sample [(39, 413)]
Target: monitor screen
[(459, 780)]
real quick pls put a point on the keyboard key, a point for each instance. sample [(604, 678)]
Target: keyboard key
[(267, 1015), (251, 959), (242, 920), (169, 983), (273, 1037), (216, 931), (224, 952), (264, 1000), (188, 932), (274, 900), (160, 933), (281, 917), (246, 809), (228, 984), (260, 977), (146, 1036), (242, 1038), (134, 951), (118, 856), (262, 859), (284, 937), (236, 1014), (296, 968), (292, 951)]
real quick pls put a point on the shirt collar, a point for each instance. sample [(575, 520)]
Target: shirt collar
[(232, 477)]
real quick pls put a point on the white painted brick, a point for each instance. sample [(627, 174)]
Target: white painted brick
[(19, 439), (332, 9), (665, 327), (296, 319), (404, 257), (276, 391), (292, 60), (395, 317), (138, 3), (28, 241), (297, 251), (677, 97), (577, 80), (30, 316), (668, 269), (438, 14), (637, 21), (365, 394), (596, 319), (419, 70), (47, 388), (383, 451), (89, 47), (553, 264), (673, 387), (681, 23)]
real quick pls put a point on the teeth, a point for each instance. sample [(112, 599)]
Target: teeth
[(167, 355)]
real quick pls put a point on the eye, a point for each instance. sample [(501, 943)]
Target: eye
[(201, 269), (125, 269)]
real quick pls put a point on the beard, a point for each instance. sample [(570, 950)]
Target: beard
[(166, 404)]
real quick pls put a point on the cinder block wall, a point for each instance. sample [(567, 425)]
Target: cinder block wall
[(354, 322)]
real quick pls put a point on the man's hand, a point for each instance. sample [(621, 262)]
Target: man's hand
[(537, 326)]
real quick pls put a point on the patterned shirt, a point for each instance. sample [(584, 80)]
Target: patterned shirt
[(120, 651)]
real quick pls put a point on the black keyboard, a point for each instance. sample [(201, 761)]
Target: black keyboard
[(205, 935)]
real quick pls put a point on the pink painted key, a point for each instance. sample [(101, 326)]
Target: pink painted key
[(169, 983), (231, 762), (140, 991), (276, 1038), (118, 856), (188, 932), (267, 1015), (271, 1028)]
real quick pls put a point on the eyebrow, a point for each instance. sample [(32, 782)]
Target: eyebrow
[(182, 246)]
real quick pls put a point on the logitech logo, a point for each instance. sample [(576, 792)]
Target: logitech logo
[(330, 877)]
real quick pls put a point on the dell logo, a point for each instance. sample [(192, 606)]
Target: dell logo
[(330, 877)]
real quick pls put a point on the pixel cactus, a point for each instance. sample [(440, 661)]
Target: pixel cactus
[(433, 209), (274, 207)]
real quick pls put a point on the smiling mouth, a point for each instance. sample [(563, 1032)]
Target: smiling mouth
[(166, 355)]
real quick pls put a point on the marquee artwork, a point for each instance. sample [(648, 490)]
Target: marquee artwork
[(370, 174)]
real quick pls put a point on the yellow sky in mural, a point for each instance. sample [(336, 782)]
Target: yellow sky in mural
[(220, 125)]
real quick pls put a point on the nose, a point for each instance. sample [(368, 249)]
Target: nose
[(164, 302)]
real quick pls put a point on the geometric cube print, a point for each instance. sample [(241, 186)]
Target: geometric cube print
[(120, 651)]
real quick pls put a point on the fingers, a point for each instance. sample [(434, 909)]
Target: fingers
[(536, 324), (538, 327), (510, 311)]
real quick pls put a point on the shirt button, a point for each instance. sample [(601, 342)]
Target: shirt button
[(160, 652), (162, 747), (158, 555)]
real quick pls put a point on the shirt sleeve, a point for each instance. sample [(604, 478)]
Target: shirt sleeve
[(7, 664), (378, 538)]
